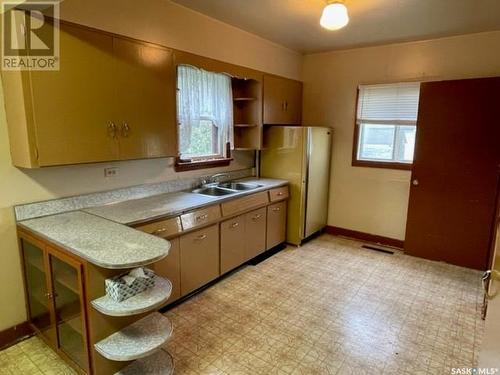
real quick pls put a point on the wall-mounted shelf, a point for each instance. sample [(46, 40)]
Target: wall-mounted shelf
[(247, 113)]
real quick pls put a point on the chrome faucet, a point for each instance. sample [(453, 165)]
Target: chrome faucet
[(213, 178)]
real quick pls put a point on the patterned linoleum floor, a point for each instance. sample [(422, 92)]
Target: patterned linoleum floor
[(328, 307)]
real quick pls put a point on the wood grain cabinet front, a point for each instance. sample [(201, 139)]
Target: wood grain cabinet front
[(232, 243), (276, 224), (255, 233), (199, 252), (112, 98), (282, 101)]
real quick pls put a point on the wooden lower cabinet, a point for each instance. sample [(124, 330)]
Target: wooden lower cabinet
[(232, 243), (55, 300), (255, 233), (170, 268), (276, 224), (199, 254)]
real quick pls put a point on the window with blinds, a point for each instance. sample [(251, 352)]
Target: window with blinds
[(386, 122)]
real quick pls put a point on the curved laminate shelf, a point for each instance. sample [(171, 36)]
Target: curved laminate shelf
[(160, 362), (138, 340), (148, 300)]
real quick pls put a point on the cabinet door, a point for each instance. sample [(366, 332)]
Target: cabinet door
[(282, 101), (276, 224), (255, 233), (37, 288), (199, 258), (144, 80), (232, 248), (72, 107), (67, 296), (170, 268)]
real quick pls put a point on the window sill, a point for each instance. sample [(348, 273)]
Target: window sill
[(183, 166), (382, 164)]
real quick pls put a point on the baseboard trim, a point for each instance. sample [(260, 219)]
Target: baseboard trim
[(367, 237), (12, 335)]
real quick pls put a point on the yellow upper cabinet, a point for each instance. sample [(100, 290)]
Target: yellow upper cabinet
[(145, 97), (282, 101), (112, 99)]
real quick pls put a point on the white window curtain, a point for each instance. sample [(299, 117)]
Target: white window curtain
[(204, 95), (388, 104)]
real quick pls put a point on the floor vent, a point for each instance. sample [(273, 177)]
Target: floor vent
[(378, 249)]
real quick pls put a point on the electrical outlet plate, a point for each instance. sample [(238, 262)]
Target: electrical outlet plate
[(111, 172)]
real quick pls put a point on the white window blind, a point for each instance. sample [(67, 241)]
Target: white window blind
[(388, 104)]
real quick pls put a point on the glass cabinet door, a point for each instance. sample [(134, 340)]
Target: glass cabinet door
[(37, 291), (67, 292)]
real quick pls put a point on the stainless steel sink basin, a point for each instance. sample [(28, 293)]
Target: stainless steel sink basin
[(213, 191), (238, 186)]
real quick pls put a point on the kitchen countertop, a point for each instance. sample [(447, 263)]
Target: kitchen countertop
[(101, 236), (100, 241), (166, 205)]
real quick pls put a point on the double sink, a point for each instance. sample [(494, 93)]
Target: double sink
[(225, 188)]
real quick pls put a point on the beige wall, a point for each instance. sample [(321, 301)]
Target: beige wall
[(159, 21), (368, 199)]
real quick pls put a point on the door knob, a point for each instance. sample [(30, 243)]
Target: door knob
[(415, 182)]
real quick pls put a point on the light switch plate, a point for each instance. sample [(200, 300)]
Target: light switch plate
[(111, 172)]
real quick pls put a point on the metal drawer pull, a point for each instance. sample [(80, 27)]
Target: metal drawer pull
[(256, 217), (279, 194), (276, 209), (158, 231), (201, 237), (125, 129), (234, 225), (112, 129), (201, 217)]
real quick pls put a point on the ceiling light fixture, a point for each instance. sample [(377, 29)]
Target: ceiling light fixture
[(334, 16)]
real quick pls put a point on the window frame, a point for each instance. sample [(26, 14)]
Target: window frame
[(373, 163), (221, 159)]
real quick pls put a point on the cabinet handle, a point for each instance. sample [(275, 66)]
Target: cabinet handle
[(283, 105), (276, 209), (279, 194), (125, 129), (112, 129), (286, 106), (158, 231), (234, 225), (256, 217), (201, 237), (201, 217)]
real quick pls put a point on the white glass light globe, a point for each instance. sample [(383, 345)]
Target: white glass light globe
[(334, 16)]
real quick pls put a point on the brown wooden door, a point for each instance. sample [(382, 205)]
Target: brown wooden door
[(144, 79), (455, 172)]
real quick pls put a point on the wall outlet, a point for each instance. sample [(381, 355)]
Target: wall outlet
[(111, 172)]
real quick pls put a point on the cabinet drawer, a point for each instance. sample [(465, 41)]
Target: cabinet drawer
[(245, 203), (232, 243), (199, 258), (255, 233), (170, 268), (200, 217), (164, 228), (276, 224), (278, 193)]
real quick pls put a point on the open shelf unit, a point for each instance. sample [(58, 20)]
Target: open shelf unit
[(247, 112)]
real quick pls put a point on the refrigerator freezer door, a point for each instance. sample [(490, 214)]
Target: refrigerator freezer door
[(319, 141), (284, 157)]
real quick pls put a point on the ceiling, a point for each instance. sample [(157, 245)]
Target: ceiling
[(295, 23)]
